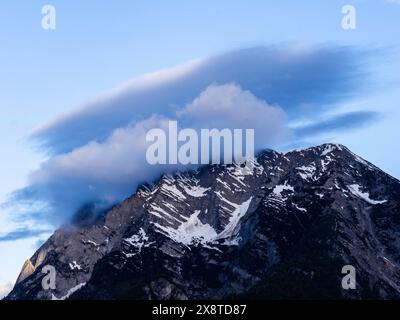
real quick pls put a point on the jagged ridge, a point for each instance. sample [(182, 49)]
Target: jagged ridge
[(283, 231)]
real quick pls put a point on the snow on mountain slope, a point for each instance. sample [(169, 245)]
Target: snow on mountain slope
[(217, 232)]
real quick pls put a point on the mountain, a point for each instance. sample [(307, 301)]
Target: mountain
[(282, 232)]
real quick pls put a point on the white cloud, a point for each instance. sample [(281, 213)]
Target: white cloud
[(229, 106), (288, 76), (5, 289), (112, 169)]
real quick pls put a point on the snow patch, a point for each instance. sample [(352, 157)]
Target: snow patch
[(138, 240), (70, 292), (281, 187), (192, 230), (307, 171), (92, 243), (328, 149), (320, 195), (196, 191), (161, 213), (173, 191), (195, 231), (356, 190), (74, 265), (237, 214), (299, 208)]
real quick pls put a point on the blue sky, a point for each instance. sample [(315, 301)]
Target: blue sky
[(99, 45)]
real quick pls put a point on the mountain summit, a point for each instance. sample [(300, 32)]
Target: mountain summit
[(284, 231)]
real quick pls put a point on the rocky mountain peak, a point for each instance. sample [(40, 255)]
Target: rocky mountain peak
[(216, 233)]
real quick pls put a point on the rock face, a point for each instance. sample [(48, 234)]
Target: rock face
[(283, 231)]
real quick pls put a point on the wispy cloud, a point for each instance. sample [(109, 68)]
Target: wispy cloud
[(286, 76), (22, 233), (345, 121)]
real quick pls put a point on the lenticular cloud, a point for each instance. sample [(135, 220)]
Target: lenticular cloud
[(97, 152), (110, 170)]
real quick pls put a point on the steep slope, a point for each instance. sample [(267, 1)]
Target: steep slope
[(284, 231)]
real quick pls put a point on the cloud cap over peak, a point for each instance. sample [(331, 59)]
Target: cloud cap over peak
[(97, 152), (287, 76)]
